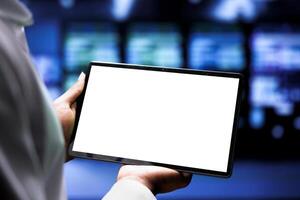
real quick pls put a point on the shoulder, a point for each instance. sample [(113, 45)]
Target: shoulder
[(13, 68), (8, 84)]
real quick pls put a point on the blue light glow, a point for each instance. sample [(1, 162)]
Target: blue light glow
[(276, 51), (275, 70), (232, 10), (48, 68), (121, 9), (67, 3), (257, 118), (265, 91), (297, 123), (277, 132)]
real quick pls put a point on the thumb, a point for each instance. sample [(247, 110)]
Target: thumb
[(73, 93)]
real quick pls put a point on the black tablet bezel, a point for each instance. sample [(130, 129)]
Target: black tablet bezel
[(140, 162)]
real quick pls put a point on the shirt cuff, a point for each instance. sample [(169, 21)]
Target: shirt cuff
[(128, 189)]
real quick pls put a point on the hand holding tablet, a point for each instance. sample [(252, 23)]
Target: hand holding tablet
[(176, 118)]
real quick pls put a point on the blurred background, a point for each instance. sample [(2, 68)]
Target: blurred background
[(258, 38)]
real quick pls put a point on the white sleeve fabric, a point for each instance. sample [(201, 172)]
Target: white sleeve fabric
[(129, 190), (31, 138)]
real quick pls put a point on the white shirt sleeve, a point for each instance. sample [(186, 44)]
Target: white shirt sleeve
[(129, 190), (31, 138)]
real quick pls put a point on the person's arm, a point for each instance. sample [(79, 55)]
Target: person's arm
[(20, 167), (143, 182)]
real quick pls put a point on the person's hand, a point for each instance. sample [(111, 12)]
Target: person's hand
[(157, 179), (65, 107)]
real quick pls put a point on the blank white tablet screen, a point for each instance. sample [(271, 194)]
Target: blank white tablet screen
[(171, 118)]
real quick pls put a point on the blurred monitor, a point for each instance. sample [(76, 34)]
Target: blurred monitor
[(275, 76), (214, 47), (85, 42), (43, 41), (276, 51), (48, 68), (154, 44)]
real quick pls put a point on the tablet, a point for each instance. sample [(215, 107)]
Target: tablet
[(177, 118)]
